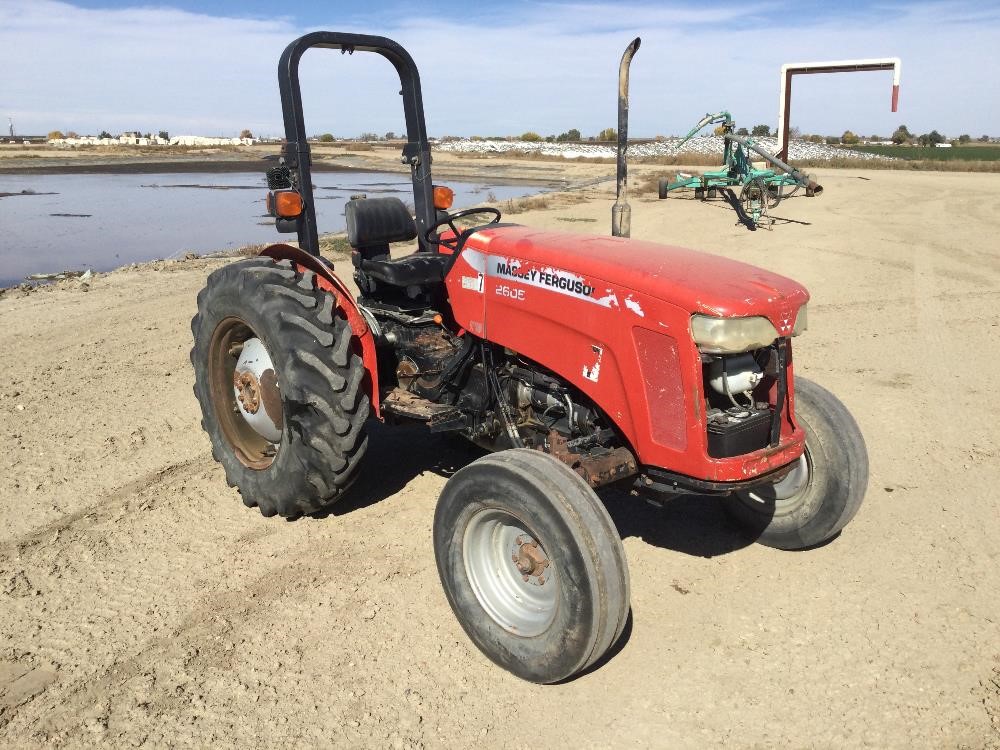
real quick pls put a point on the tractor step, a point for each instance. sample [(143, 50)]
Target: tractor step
[(402, 403), (448, 421)]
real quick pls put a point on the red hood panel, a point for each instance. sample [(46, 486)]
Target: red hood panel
[(696, 281)]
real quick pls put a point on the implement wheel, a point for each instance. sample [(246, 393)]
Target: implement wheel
[(532, 564), (663, 187), (753, 199), (280, 386)]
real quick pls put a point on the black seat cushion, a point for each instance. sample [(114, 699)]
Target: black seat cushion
[(416, 269), (374, 222)]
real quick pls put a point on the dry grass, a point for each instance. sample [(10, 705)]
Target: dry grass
[(334, 245), (686, 158), (540, 202), (358, 147), (532, 156), (690, 159), (920, 165)]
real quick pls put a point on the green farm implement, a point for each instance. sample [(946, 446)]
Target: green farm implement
[(761, 188)]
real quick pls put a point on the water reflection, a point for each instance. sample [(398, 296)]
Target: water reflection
[(102, 221)]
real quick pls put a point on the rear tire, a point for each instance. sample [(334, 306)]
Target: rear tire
[(825, 489), (662, 188), (561, 604), (320, 381)]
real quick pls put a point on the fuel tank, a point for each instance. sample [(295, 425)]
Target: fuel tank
[(612, 316)]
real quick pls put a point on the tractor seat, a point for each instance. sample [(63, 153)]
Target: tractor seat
[(417, 269), (372, 223)]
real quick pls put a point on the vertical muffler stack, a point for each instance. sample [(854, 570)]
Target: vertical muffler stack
[(621, 212)]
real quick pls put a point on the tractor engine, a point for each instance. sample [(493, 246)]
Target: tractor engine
[(494, 398)]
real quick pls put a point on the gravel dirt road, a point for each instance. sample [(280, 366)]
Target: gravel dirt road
[(142, 604)]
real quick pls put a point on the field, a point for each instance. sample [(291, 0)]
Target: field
[(143, 604), (985, 152)]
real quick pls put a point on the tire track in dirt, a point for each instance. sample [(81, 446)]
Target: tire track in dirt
[(202, 642), (109, 505), (989, 694)]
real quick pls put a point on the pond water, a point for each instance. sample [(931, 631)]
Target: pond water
[(102, 221)]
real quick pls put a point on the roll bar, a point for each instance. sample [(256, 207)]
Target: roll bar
[(296, 153)]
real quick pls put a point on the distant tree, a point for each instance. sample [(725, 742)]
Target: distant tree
[(742, 131), (71, 134), (105, 134), (164, 135), (760, 130), (983, 139), (531, 137), (794, 132), (245, 133), (608, 134), (848, 138), (326, 138), (935, 138), (815, 138), (550, 139), (832, 140), (55, 135), (374, 137), (390, 136), (964, 138), (720, 130), (901, 135), (570, 135)]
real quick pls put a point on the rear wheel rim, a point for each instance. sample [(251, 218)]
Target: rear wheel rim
[(510, 572), (247, 402)]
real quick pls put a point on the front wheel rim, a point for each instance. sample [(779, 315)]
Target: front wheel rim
[(510, 572), (785, 495)]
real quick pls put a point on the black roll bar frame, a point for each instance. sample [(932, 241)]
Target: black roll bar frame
[(296, 153)]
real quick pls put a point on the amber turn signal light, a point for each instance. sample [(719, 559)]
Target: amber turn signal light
[(443, 197), (284, 204)]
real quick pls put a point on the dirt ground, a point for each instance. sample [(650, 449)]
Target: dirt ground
[(142, 604)]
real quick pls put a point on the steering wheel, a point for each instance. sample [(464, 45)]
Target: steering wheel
[(452, 243)]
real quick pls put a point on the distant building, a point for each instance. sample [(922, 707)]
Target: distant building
[(136, 139), (942, 145), (201, 140)]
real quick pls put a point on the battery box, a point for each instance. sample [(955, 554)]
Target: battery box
[(737, 431)]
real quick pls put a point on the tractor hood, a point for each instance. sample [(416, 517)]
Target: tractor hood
[(696, 281)]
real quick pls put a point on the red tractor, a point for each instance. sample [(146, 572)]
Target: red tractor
[(578, 361)]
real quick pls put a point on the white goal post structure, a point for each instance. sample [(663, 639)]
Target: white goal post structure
[(838, 66)]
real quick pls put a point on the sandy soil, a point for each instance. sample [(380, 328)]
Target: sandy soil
[(141, 603)]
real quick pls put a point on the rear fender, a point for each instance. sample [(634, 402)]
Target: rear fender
[(328, 281)]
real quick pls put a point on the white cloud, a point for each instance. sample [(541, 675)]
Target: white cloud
[(551, 68)]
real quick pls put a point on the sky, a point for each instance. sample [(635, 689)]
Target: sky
[(495, 68)]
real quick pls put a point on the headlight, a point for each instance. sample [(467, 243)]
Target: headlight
[(801, 321), (731, 335)]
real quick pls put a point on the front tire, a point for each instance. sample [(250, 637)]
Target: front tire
[(532, 564), (825, 488), (292, 433)]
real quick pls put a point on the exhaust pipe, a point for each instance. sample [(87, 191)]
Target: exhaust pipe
[(621, 212)]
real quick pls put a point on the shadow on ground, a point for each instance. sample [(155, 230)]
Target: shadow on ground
[(692, 524), (396, 455)]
